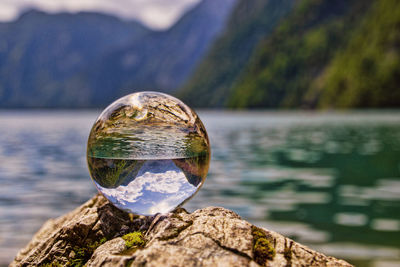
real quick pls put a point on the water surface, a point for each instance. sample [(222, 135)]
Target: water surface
[(328, 180)]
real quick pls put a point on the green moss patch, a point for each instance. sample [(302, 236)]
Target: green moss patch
[(80, 254), (262, 248), (134, 239), (84, 253)]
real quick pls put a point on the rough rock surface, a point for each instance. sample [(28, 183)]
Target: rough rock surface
[(95, 234)]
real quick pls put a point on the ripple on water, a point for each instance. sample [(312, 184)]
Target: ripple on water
[(331, 181)]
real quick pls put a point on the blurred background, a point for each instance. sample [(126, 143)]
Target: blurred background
[(300, 99)]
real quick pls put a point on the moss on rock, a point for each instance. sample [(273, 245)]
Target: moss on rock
[(215, 234), (262, 248), (83, 253), (134, 239)]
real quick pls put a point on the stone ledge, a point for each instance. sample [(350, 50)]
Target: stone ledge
[(98, 234)]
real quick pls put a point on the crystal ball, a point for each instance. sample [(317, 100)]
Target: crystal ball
[(148, 153)]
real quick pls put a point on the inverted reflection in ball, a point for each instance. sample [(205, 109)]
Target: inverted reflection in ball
[(148, 153)]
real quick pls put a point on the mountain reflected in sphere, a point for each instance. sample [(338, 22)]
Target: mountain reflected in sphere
[(148, 153)]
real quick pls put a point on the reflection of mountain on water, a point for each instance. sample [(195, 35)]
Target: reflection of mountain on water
[(111, 173), (360, 155), (147, 126), (352, 197), (195, 168)]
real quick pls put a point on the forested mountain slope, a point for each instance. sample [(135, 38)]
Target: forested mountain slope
[(250, 22), (322, 54)]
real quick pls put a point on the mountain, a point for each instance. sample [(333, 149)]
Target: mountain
[(40, 53), (286, 63), (366, 73), (162, 60), (89, 59), (249, 22), (322, 54), (225, 53)]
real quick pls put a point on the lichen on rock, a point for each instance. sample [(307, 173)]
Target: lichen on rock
[(98, 234)]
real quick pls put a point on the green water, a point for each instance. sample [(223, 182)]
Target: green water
[(328, 180), (331, 181)]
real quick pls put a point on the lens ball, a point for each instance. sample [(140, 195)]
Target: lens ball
[(148, 153)]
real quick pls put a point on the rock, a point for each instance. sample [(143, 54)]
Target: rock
[(98, 234)]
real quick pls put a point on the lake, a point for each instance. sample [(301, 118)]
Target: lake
[(328, 180)]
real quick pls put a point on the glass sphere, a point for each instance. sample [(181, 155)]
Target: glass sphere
[(148, 153)]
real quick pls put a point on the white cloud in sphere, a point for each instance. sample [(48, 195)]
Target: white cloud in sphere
[(154, 13)]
